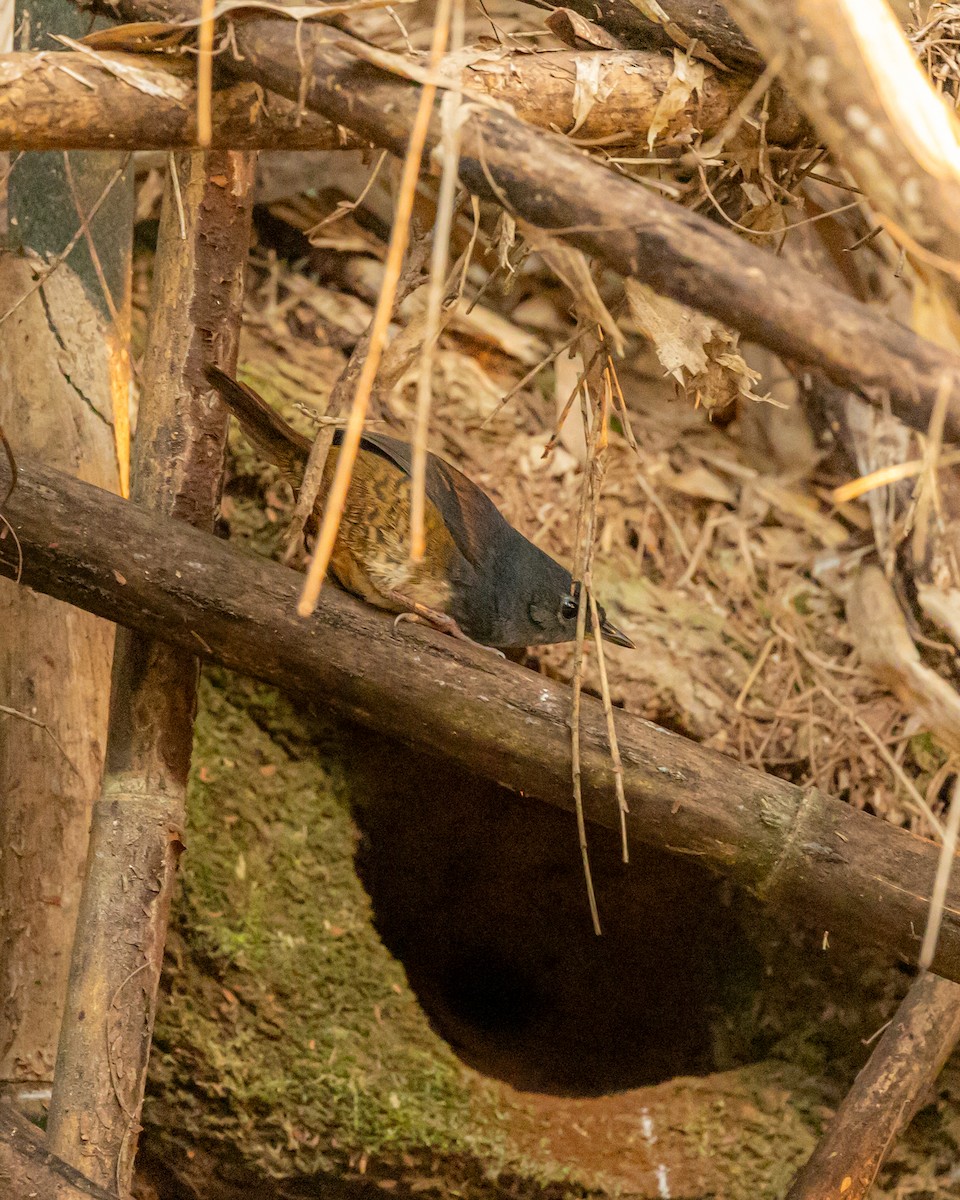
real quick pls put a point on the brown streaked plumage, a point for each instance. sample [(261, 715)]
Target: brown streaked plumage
[(479, 577)]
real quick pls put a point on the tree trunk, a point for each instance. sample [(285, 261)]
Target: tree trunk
[(138, 819), (64, 382)]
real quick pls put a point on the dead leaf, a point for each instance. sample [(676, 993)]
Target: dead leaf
[(138, 71), (699, 352), (687, 78), (575, 30), (700, 483), (880, 632)]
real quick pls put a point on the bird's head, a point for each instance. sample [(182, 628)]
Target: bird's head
[(534, 602)]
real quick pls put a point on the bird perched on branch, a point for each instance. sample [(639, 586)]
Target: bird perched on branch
[(479, 579)]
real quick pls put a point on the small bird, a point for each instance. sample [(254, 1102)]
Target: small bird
[(479, 579)]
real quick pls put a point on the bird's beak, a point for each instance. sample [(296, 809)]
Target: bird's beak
[(615, 635)]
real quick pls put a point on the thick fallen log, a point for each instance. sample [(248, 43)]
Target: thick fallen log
[(813, 858), (118, 101), (887, 1093), (544, 179), (28, 1169)]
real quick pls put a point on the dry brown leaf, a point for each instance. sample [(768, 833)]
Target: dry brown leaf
[(687, 78), (575, 30), (653, 12), (700, 483), (802, 508), (942, 606), (588, 87), (887, 651), (698, 351), (144, 74)]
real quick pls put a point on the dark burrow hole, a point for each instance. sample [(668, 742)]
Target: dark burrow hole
[(480, 894)]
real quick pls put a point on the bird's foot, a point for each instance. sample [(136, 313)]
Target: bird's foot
[(441, 621)]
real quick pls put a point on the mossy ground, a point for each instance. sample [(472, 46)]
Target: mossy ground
[(285, 1025)]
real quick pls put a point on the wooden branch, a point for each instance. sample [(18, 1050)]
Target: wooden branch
[(853, 72), (888, 1091), (542, 178), (141, 102), (138, 102), (28, 1169), (137, 829), (810, 857), (706, 20)]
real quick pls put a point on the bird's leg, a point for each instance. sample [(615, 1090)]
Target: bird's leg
[(439, 620)]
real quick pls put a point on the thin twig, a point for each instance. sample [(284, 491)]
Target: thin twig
[(65, 253), (348, 206), (928, 486), (611, 727), (938, 898), (177, 194), (884, 476), (22, 716), (450, 145), (532, 374), (399, 237), (584, 541)]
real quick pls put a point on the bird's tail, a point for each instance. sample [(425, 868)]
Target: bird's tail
[(278, 442)]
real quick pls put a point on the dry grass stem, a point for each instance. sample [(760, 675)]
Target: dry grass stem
[(42, 725), (928, 487), (177, 194), (399, 238), (948, 850), (205, 74), (611, 727), (46, 271), (884, 476), (586, 516), (439, 257)]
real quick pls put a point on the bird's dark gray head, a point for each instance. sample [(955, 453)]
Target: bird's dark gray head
[(529, 600)]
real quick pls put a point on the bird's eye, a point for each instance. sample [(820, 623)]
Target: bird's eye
[(568, 608)]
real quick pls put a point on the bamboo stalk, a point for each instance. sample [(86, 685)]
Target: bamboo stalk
[(851, 68), (136, 834)]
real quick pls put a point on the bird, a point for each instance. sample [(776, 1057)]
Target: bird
[(480, 579)]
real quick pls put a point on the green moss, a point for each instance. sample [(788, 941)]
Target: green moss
[(286, 1027)]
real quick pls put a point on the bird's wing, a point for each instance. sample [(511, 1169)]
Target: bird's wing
[(471, 516)]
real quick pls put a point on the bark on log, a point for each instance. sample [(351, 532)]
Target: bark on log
[(855, 75), (139, 102), (814, 859), (544, 179), (137, 829), (28, 1169), (706, 20), (133, 102), (886, 1095)]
